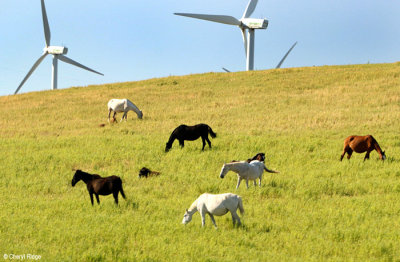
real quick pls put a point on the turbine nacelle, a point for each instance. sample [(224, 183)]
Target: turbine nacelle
[(254, 23), (245, 24), (56, 50)]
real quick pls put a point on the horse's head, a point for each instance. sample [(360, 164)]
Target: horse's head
[(168, 146), (383, 156), (260, 157), (224, 170), (187, 217), (77, 177), (140, 115)]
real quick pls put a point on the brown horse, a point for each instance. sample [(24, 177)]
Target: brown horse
[(361, 144), (98, 185)]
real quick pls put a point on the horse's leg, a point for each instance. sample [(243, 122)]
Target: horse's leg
[(238, 183), (341, 157), (115, 194), (208, 141), (204, 143), (91, 197), (367, 155), (114, 116), (182, 143), (97, 198), (345, 150), (203, 216), (259, 182), (123, 116), (349, 152), (109, 113), (254, 182), (235, 217), (247, 183), (213, 220)]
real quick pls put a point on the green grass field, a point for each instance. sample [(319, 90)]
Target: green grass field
[(316, 209)]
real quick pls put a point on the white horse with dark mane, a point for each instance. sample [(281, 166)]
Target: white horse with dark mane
[(217, 205), (122, 105), (245, 170)]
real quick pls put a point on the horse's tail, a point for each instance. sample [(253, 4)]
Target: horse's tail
[(121, 190), (212, 134), (240, 205)]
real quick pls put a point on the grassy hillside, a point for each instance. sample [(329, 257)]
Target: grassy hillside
[(317, 208)]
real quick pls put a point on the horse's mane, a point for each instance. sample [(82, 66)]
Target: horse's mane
[(376, 145), (193, 206), (86, 176), (133, 106)]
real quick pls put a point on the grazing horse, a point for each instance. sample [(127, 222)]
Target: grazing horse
[(361, 144), (217, 205), (248, 171), (145, 172), (122, 105), (98, 185), (259, 156), (184, 132)]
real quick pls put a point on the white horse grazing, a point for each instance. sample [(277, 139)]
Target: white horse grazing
[(217, 205), (122, 105), (245, 170)]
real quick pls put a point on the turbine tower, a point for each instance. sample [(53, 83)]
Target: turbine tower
[(58, 53), (245, 24)]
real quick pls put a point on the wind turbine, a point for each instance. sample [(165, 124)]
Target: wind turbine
[(245, 24), (280, 62), (58, 53)]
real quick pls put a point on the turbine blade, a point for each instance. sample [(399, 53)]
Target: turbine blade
[(223, 19), (283, 59), (46, 27), (72, 62), (226, 70), (244, 40), (35, 65), (250, 8)]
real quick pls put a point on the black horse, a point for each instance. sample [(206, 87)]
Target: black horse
[(98, 185), (184, 132), (145, 172)]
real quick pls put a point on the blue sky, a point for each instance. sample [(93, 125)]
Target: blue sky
[(136, 40)]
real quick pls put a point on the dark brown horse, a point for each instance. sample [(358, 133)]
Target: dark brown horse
[(361, 144), (259, 156), (184, 132), (98, 185)]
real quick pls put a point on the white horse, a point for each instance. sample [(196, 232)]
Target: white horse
[(122, 105), (217, 205), (245, 170)]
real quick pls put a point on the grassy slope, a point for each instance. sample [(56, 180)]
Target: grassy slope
[(317, 208)]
